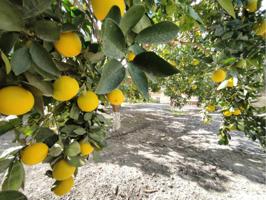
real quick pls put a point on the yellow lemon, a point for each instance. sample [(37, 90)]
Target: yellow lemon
[(195, 62), (34, 154), (86, 148), (210, 108), (65, 88), (230, 82), (218, 76), (62, 170), (237, 112), (102, 7), (88, 102), (227, 113), (130, 56), (261, 29), (15, 100), (69, 44), (252, 5), (116, 97), (63, 187)]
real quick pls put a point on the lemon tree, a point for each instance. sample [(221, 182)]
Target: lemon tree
[(225, 60), (60, 60)]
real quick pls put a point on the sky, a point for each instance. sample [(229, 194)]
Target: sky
[(263, 5)]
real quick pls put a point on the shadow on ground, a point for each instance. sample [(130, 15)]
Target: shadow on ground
[(162, 144)]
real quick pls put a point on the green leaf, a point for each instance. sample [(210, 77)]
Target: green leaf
[(194, 15), (43, 59), (38, 99), (9, 125), (4, 164), (12, 195), (132, 17), (76, 161), (136, 49), (68, 129), (45, 87), (80, 131), (114, 14), (73, 149), (10, 17), (87, 117), (97, 138), (63, 66), (7, 41), (55, 150), (152, 63), (11, 151), (6, 61), (159, 33), (14, 177), (229, 61), (46, 76), (43, 134), (139, 78), (47, 30), (74, 112), (142, 24), (228, 6), (21, 61), (35, 7), (114, 44), (113, 74)]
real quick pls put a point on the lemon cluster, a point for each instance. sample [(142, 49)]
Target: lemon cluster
[(66, 87), (228, 113), (63, 172)]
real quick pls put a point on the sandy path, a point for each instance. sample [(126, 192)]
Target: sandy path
[(160, 155)]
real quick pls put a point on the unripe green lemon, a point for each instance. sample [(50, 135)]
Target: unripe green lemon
[(62, 170), (34, 154), (65, 88), (15, 100)]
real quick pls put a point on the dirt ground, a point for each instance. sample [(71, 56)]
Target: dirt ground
[(161, 154)]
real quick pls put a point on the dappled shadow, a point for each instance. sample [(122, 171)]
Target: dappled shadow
[(156, 142)]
